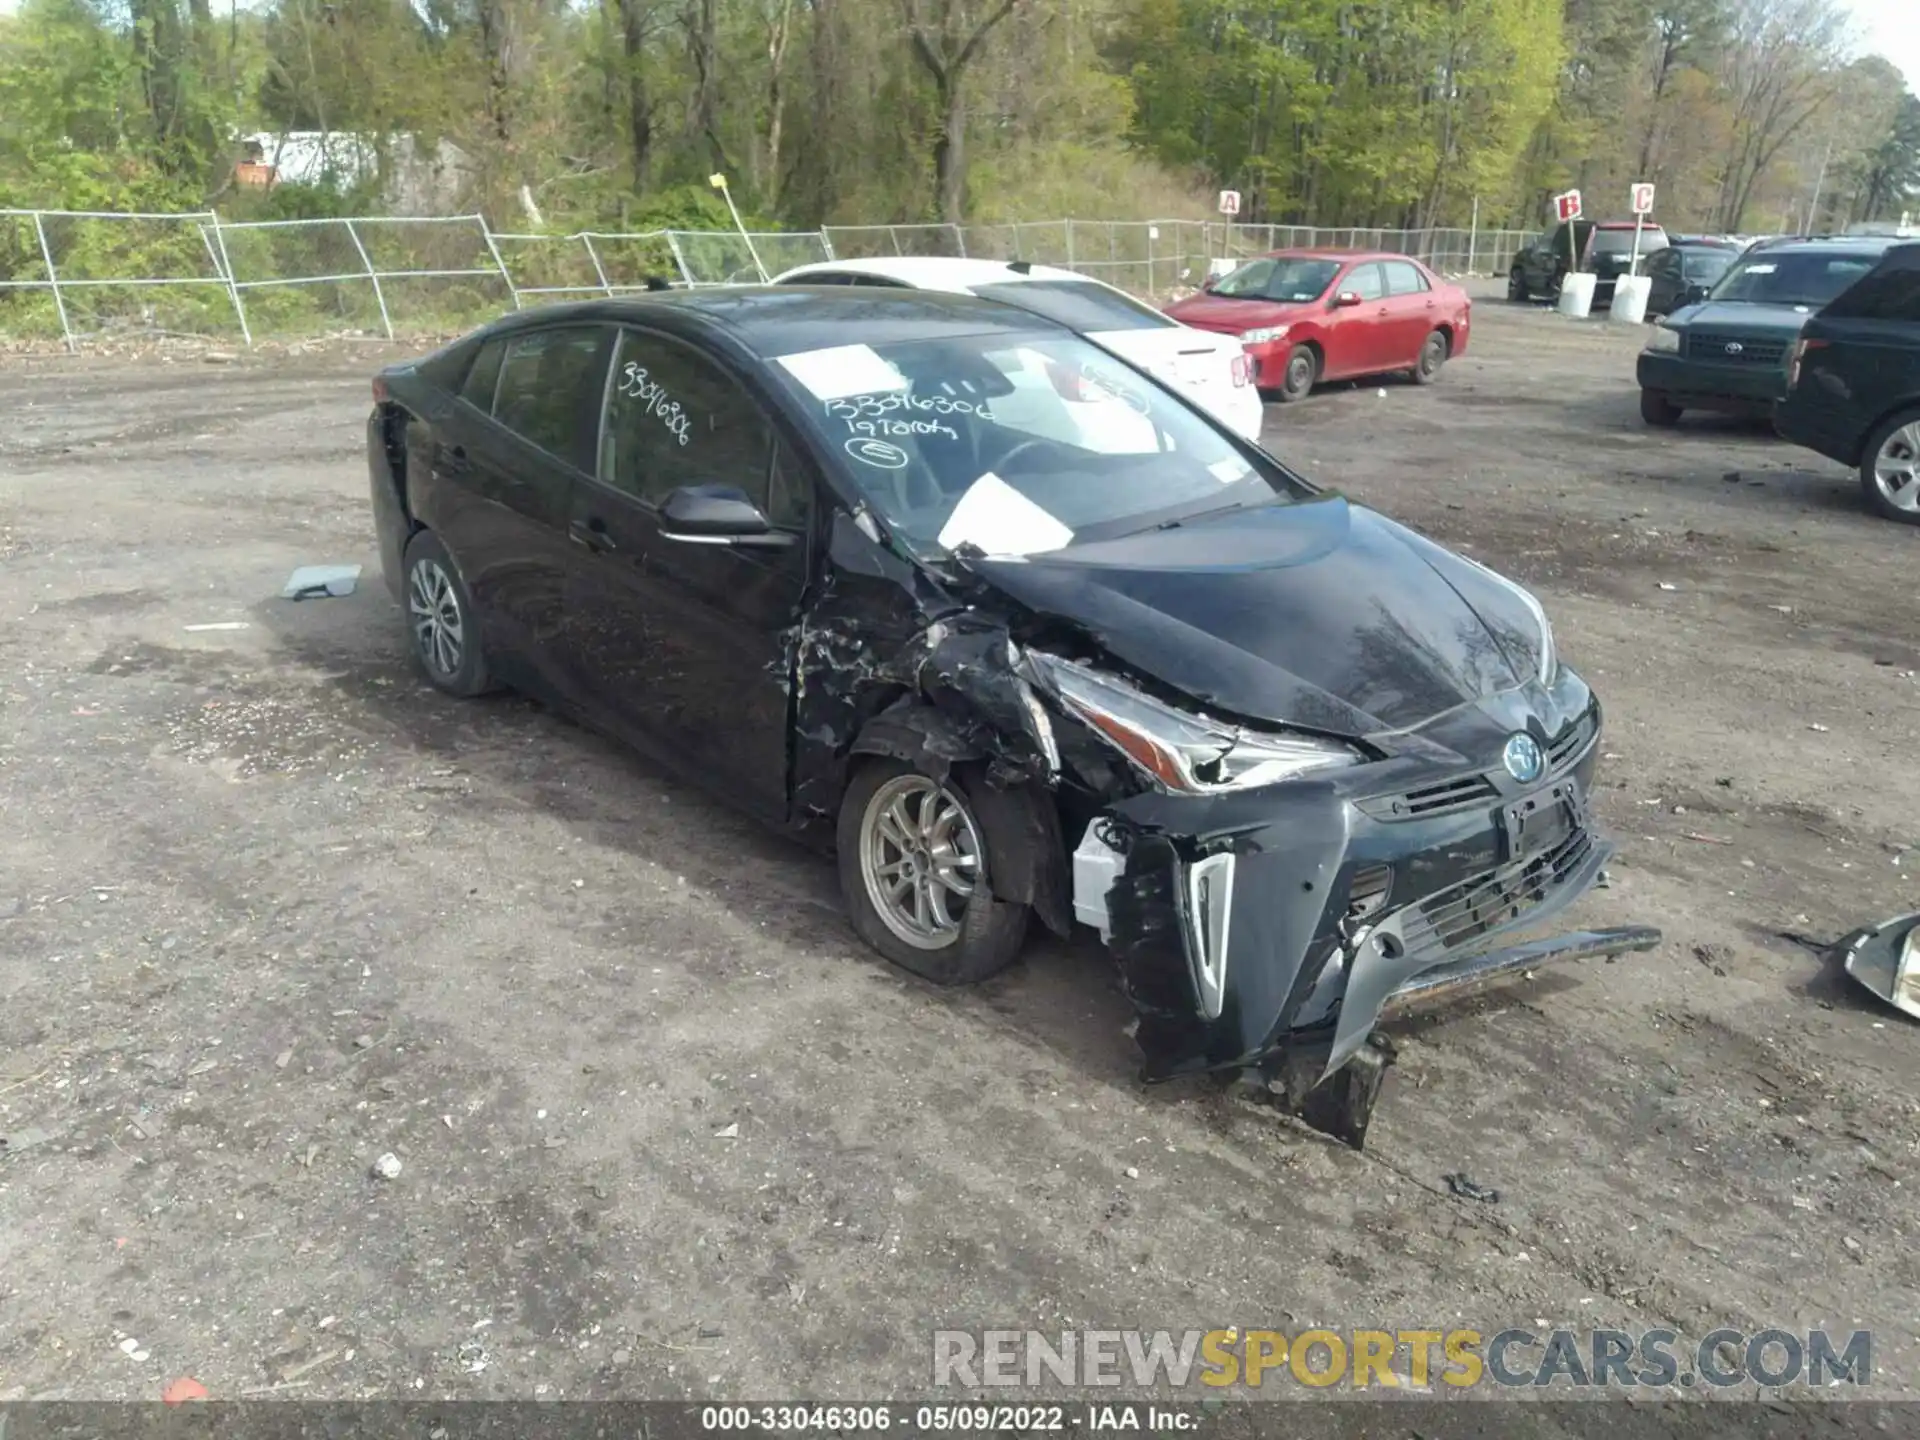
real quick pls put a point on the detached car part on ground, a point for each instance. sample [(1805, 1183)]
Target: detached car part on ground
[(1024, 635), (1728, 353), (1854, 386)]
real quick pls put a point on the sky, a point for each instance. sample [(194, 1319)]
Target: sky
[(1888, 27)]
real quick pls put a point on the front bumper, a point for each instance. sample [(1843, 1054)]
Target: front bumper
[(1290, 918), (1701, 384)]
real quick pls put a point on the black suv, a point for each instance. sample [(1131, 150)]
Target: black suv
[(1605, 248), (1682, 273), (1854, 390)]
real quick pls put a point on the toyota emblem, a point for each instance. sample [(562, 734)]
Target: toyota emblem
[(1523, 758), (1734, 347)]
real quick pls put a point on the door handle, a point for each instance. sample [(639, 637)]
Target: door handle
[(592, 534)]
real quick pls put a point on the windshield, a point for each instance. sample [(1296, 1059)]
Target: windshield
[(1703, 267), (1018, 444), (1774, 278), (1083, 305), (1285, 280)]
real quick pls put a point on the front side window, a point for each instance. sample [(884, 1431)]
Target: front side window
[(1288, 279), (483, 380), (1018, 444), (1771, 277), (674, 418), (548, 380)]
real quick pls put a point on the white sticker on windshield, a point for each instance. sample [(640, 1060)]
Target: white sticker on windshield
[(842, 370), (1231, 469), (1761, 269), (1001, 521)]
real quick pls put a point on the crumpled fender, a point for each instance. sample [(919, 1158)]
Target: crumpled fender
[(1019, 822)]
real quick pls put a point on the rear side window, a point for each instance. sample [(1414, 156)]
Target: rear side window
[(1890, 292), (550, 385), (483, 379), (1403, 279), (1620, 242), (1705, 266), (1077, 304)]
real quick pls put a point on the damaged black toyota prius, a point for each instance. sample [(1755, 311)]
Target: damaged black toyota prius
[(1023, 635)]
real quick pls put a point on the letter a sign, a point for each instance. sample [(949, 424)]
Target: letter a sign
[(1229, 202)]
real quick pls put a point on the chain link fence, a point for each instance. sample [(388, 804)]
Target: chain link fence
[(78, 276)]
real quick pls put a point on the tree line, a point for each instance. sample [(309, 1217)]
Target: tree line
[(1748, 114)]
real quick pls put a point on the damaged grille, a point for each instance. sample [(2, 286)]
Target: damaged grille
[(1463, 792), (1368, 892), (1571, 743), (1463, 913)]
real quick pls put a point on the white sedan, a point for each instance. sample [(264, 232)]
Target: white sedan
[(1212, 370)]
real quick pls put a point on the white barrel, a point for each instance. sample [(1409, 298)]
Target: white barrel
[(1576, 295), (1630, 293)]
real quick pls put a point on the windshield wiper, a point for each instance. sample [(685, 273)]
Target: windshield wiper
[(1178, 521)]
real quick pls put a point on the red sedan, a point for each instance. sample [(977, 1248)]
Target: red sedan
[(1312, 315)]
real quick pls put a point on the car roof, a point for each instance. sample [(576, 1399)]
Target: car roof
[(1331, 252), (931, 272), (1824, 245), (786, 319)]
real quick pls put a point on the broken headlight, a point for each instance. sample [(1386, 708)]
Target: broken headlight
[(1181, 752)]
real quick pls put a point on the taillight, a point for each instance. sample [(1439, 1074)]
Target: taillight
[(379, 390), (1243, 369), (1800, 352)]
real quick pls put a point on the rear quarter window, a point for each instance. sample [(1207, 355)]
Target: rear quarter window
[(1077, 304), (1891, 291)]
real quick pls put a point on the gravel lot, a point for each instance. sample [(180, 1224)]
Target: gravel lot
[(270, 909)]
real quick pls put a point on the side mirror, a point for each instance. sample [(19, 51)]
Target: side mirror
[(716, 515), (1347, 299), (1695, 294)]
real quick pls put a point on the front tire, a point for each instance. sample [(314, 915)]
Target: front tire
[(1517, 287), (915, 871), (1890, 469), (1433, 354), (1300, 376), (1657, 409), (442, 626)]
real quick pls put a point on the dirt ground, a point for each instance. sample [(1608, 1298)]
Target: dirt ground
[(270, 909)]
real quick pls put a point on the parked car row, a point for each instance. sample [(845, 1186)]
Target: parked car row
[(1821, 334), (986, 591)]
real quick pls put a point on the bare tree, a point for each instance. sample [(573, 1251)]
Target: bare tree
[(1783, 65), (947, 38)]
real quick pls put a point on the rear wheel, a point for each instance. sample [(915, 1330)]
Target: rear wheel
[(1890, 469), (1657, 409), (915, 868), (441, 623), (1433, 354), (1303, 369)]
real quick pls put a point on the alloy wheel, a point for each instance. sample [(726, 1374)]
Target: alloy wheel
[(920, 859), (438, 632), (1896, 469)]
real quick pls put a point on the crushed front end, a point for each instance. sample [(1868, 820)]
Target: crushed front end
[(1269, 926)]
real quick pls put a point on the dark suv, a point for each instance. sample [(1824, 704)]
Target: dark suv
[(1682, 273), (1729, 352), (1854, 391), (1605, 248)]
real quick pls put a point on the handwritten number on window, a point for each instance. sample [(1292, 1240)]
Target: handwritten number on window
[(654, 399)]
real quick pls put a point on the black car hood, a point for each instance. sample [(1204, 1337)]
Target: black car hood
[(1318, 614)]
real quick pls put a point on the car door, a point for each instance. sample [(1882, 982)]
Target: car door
[(681, 641), (1663, 282), (1410, 315), (1354, 332), (504, 464)]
